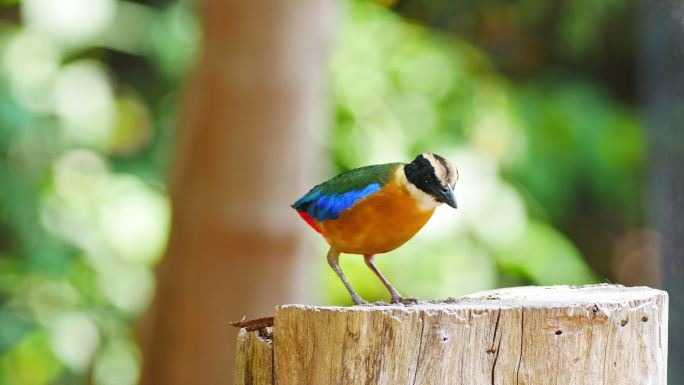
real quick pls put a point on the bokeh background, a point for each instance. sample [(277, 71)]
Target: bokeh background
[(116, 114)]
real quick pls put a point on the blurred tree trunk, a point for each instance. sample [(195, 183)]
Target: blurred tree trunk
[(243, 148), (662, 62)]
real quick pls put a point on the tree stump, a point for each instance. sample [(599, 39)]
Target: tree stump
[(599, 334)]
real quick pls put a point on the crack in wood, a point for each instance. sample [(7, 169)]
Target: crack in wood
[(420, 346), (249, 379), (496, 326), (522, 333), (273, 373), (470, 330), (605, 355), (340, 379), (498, 347), (591, 335)]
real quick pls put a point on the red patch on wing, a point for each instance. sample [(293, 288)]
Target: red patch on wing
[(307, 218)]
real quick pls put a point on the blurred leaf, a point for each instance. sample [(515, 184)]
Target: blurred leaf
[(133, 126), (175, 39), (546, 257), (13, 328), (117, 365), (31, 362), (593, 143), (74, 107)]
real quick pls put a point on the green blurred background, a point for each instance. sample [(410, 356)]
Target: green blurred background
[(535, 101)]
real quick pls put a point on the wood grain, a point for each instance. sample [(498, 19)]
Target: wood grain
[(600, 334), (254, 359)]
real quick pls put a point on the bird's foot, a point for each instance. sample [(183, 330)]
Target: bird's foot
[(404, 300), (358, 300)]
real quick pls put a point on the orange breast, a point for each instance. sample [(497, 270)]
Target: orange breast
[(377, 224)]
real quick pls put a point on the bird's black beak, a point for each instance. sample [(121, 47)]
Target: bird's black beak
[(446, 195)]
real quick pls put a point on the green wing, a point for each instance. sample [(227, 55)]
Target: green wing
[(358, 179), (329, 199)]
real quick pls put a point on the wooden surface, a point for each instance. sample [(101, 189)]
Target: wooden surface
[(601, 334), (254, 365)]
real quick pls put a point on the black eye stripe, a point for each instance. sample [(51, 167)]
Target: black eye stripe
[(422, 173)]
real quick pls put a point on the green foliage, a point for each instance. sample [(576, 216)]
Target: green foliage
[(84, 216), (532, 156), (595, 145), (87, 104)]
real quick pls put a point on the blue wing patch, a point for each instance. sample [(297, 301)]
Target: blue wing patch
[(322, 206)]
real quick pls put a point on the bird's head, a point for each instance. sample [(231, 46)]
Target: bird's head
[(431, 179)]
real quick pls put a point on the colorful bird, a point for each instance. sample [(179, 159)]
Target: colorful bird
[(375, 209)]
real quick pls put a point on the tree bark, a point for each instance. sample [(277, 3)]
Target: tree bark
[(241, 159), (602, 334), (662, 89), (254, 362)]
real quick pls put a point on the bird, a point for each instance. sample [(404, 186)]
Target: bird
[(375, 209)]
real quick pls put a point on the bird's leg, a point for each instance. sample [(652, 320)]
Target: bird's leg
[(334, 262), (396, 297)]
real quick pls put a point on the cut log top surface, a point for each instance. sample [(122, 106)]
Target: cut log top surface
[(518, 297)]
